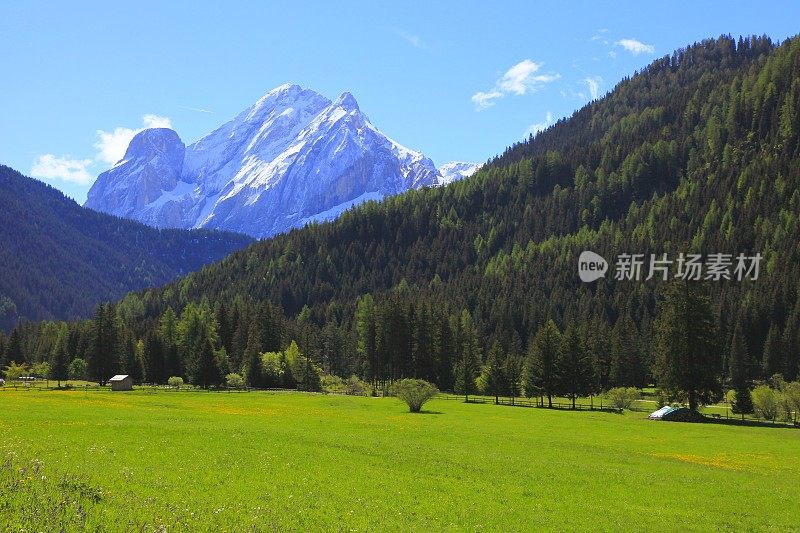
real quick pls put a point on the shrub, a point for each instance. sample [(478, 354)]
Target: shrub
[(623, 397), (15, 371), (354, 386), (415, 392), (273, 369), (234, 381), (792, 395), (175, 382), (78, 369), (332, 384), (765, 402)]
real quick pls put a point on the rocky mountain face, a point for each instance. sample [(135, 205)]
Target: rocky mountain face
[(292, 158)]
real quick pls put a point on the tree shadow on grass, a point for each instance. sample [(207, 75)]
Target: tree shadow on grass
[(426, 412), (749, 423)]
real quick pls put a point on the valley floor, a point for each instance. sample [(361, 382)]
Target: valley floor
[(292, 461)]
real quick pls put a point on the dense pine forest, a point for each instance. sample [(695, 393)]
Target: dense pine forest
[(697, 153), (59, 260)]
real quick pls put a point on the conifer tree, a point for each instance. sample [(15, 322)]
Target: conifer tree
[(772, 360), (627, 363), (495, 375), (739, 363), (575, 374), (541, 373), (252, 355), (468, 365), (59, 358), (687, 355), (365, 326)]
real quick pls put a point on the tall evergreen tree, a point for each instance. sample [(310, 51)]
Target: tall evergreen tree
[(773, 360), (365, 326), (59, 358), (468, 365), (627, 363), (104, 347), (575, 373), (495, 371), (3, 350), (688, 359), (14, 352), (155, 363), (739, 361), (168, 337), (207, 372), (444, 352), (791, 343), (512, 368), (541, 372), (252, 355)]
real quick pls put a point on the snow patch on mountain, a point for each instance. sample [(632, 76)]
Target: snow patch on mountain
[(456, 170), (335, 211)]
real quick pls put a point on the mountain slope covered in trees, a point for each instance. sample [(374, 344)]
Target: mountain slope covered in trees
[(60, 260), (697, 153)]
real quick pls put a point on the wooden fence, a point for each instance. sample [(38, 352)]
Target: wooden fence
[(532, 402)]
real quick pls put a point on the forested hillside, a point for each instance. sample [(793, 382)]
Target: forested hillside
[(698, 153), (59, 260)]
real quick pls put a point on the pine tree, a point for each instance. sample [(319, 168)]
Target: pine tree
[(423, 346), (791, 342), (739, 361), (252, 355), (59, 358), (541, 376), (3, 350), (365, 326), (444, 352), (512, 368), (104, 345), (772, 360), (575, 375), (155, 365), (168, 337), (496, 379), (468, 364), (627, 363), (14, 352), (687, 357), (208, 373)]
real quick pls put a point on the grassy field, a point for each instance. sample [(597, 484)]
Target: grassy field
[(276, 461)]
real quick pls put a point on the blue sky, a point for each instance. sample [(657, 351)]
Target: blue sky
[(455, 80)]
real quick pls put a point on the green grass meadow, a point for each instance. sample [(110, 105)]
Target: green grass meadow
[(174, 461)]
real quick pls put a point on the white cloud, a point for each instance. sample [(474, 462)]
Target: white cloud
[(111, 145), (51, 167), (537, 127), (520, 79), (593, 82), (198, 109), (413, 40), (484, 100), (600, 36), (155, 121), (636, 47)]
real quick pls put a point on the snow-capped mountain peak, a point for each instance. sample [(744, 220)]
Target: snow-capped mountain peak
[(292, 157), (456, 170), (347, 102)]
